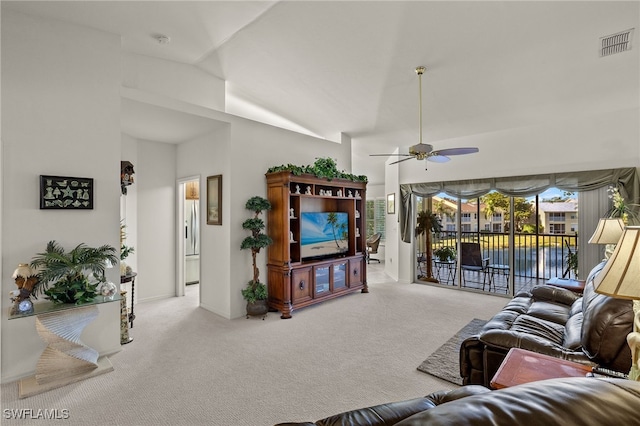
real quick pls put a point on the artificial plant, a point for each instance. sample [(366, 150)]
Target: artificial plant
[(427, 223), (255, 290), (63, 276), (322, 168)]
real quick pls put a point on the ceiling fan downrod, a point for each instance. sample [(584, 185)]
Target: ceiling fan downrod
[(420, 70)]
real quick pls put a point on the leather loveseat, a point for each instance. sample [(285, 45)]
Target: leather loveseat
[(583, 401), (589, 329)]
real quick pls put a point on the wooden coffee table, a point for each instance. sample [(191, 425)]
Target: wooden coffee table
[(522, 366)]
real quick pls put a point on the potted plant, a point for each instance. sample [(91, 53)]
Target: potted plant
[(445, 253), (572, 262), (255, 293), (62, 276), (427, 223), (125, 251)]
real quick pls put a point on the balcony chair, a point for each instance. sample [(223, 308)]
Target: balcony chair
[(372, 246), (471, 260)]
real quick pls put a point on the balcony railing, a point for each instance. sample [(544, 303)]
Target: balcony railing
[(540, 256)]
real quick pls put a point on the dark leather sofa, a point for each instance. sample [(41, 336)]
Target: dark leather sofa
[(589, 329), (580, 401)]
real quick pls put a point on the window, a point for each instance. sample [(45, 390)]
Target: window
[(556, 217), (556, 228), (376, 217)]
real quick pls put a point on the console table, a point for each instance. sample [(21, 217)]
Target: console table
[(522, 366), (132, 279), (66, 359)]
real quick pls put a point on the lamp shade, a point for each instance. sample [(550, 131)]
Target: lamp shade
[(620, 277), (608, 231)]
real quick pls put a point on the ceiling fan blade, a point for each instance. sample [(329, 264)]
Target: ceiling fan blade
[(438, 158), (455, 151), (400, 161), (389, 155)]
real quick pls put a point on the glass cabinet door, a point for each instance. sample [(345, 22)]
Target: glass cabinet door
[(339, 276), (322, 280)]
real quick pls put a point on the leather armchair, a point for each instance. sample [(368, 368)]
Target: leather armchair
[(589, 329)]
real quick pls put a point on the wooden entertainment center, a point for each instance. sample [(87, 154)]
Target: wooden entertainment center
[(296, 280)]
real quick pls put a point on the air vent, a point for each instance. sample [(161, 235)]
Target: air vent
[(616, 43)]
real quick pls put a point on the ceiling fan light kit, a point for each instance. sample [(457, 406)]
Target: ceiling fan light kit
[(424, 151)]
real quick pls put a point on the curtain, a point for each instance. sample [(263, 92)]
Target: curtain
[(625, 179)]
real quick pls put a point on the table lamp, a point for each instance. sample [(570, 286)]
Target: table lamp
[(620, 278), (607, 232)]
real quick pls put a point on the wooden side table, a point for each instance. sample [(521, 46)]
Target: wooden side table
[(576, 286), (132, 279), (522, 366)]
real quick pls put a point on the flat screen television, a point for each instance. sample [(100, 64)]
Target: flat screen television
[(323, 234)]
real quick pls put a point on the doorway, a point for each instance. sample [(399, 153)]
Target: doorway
[(188, 241)]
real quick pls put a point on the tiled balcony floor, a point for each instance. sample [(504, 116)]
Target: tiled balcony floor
[(483, 281)]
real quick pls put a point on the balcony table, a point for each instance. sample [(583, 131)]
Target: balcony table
[(500, 269), (445, 271)]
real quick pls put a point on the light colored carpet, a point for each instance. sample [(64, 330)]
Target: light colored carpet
[(187, 366), (445, 361)]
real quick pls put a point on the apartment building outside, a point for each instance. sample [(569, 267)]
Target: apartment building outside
[(559, 218)]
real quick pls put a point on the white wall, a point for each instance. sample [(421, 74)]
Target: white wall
[(391, 258), (60, 116), (207, 156), (156, 242), (173, 80), (609, 140), (129, 208)]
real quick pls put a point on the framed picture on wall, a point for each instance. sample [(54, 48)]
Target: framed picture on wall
[(391, 203), (214, 200), (67, 193)]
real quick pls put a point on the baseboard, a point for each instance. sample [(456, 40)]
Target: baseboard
[(225, 315)]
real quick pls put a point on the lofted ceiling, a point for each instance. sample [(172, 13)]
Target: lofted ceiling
[(348, 67)]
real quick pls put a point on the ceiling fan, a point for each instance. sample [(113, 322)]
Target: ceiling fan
[(422, 151)]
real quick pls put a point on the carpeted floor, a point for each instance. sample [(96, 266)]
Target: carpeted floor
[(444, 362), (190, 367)]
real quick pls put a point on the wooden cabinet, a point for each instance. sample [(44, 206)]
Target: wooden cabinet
[(301, 271)]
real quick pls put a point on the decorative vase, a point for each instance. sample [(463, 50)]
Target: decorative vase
[(257, 308), (108, 290), (25, 279)]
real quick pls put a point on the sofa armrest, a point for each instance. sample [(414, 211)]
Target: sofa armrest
[(442, 397), (393, 412), (553, 294), (507, 339)]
